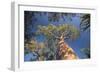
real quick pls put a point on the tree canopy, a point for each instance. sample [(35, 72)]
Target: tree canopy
[(67, 30)]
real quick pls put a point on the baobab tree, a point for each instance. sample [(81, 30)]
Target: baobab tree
[(60, 33)]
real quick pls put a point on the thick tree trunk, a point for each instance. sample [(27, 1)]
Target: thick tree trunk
[(65, 52)]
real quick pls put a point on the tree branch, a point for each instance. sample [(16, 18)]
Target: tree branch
[(54, 35)]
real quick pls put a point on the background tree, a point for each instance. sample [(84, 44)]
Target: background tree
[(85, 22), (86, 51), (84, 26), (36, 48)]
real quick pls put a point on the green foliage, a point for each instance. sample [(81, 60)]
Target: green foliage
[(74, 32), (55, 17), (85, 22), (51, 30), (45, 30), (86, 51), (26, 52), (33, 45)]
